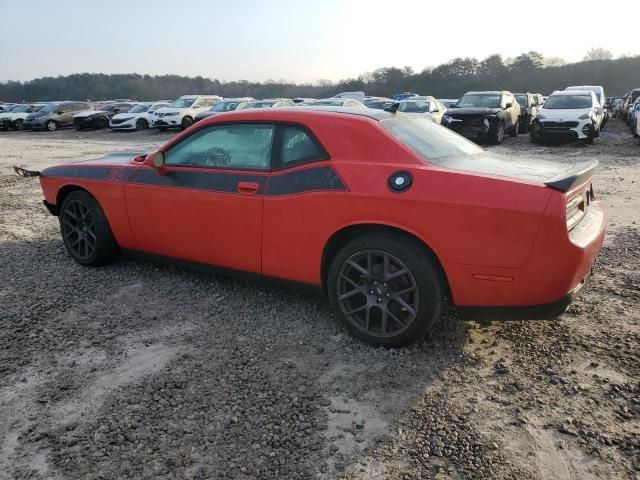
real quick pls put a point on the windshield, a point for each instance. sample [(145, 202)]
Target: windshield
[(522, 100), (182, 103), (558, 102), (259, 105), (414, 107), (107, 108), (481, 101), (23, 108), (143, 107), (380, 104), (224, 107), (429, 140), (49, 108)]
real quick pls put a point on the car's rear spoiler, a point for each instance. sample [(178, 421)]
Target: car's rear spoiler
[(574, 176), (26, 173)]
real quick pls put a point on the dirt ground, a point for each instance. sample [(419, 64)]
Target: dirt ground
[(141, 370)]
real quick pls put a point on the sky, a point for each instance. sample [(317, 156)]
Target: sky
[(301, 41)]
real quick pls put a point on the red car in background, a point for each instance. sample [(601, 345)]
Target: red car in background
[(391, 215)]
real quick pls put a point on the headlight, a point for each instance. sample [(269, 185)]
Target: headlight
[(584, 117)]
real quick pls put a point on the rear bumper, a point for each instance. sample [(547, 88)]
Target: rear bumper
[(555, 272), (524, 312)]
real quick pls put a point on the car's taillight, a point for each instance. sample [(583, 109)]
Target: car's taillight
[(577, 205)]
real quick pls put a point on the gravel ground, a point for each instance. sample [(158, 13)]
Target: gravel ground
[(141, 370)]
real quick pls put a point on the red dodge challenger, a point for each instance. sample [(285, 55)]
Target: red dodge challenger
[(391, 215)]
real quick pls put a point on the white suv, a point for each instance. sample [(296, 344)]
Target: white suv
[(181, 112), (568, 114), (599, 91)]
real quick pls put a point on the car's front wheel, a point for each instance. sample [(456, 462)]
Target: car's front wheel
[(141, 124), (387, 290), (85, 230), (18, 124), (497, 136), (52, 125), (186, 122)]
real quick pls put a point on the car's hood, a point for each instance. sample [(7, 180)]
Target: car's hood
[(13, 116), (558, 175), (127, 115), (563, 114), (472, 111), (85, 113), (172, 110), (104, 167)]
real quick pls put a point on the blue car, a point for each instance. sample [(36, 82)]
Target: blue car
[(398, 97)]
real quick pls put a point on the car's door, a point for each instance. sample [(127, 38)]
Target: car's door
[(298, 187), (65, 114), (205, 204)]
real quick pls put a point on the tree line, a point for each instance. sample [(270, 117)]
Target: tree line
[(529, 71)]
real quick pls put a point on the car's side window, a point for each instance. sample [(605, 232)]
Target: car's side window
[(239, 146), (298, 146)]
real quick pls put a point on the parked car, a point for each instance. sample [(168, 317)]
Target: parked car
[(617, 107), (138, 118), (270, 103), (6, 107), (635, 113), (428, 107), (54, 116), (339, 102), (567, 114), (630, 99), (227, 105), (390, 215), (379, 103), (98, 119), (448, 102), (182, 111), (484, 116), (636, 123), (528, 109), (603, 114), (15, 117)]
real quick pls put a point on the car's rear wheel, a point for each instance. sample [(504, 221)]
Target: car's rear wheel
[(52, 125), (141, 124), (497, 136), (85, 230), (387, 290), (186, 122)]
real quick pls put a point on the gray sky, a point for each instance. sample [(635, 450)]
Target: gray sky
[(295, 40)]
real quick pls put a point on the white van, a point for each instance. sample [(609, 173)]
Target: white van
[(181, 112)]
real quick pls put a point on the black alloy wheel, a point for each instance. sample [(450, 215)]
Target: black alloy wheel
[(85, 230), (386, 289), (141, 124), (52, 125)]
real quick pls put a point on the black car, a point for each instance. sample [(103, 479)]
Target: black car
[(484, 116), (97, 119), (528, 109)]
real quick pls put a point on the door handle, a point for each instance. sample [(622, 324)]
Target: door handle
[(248, 187)]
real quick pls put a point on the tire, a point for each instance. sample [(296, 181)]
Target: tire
[(142, 124), (497, 136), (101, 123), (52, 125), (516, 129), (186, 122), (85, 230), (18, 124), (413, 301), (591, 135)]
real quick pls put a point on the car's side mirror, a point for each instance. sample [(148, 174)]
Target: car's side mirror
[(508, 105), (156, 160), (116, 110), (59, 112)]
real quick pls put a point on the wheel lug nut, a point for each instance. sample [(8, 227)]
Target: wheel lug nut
[(371, 292), (379, 300), (388, 294), (375, 282)]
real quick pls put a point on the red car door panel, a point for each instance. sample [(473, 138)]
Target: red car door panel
[(201, 215)]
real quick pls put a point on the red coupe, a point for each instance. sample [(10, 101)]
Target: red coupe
[(391, 215)]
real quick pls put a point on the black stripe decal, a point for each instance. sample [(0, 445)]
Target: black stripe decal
[(213, 181), (307, 180), (319, 178)]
